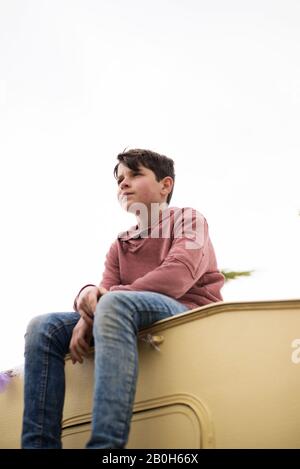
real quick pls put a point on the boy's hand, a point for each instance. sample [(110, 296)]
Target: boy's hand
[(80, 341), (87, 302)]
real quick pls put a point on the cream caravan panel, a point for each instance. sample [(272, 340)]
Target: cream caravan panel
[(228, 370), (170, 426)]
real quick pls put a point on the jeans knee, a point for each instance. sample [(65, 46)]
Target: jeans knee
[(36, 324), (115, 301), (38, 327), (114, 306)]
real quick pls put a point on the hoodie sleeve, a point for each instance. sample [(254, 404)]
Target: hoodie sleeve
[(186, 262), (111, 274)]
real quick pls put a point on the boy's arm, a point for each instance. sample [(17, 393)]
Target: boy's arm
[(185, 263), (111, 274)]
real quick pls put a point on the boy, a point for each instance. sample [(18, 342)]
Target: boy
[(163, 266)]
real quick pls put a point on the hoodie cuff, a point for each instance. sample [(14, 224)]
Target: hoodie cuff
[(76, 298)]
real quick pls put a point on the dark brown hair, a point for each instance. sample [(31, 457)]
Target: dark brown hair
[(161, 165)]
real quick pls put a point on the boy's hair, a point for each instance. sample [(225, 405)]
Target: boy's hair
[(161, 165)]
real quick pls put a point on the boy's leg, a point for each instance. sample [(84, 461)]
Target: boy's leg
[(46, 344), (118, 317)]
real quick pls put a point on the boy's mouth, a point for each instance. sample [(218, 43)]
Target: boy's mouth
[(126, 194)]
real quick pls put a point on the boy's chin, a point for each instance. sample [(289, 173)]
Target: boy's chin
[(126, 206)]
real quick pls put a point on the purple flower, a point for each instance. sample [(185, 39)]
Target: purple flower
[(5, 378)]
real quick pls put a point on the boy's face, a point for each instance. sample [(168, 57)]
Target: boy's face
[(141, 187)]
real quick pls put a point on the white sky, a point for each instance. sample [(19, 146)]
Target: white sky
[(215, 85)]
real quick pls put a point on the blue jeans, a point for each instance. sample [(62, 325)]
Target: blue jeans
[(118, 318)]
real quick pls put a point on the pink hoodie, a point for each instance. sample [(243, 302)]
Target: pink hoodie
[(174, 257)]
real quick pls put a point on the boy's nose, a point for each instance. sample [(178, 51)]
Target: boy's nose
[(124, 184)]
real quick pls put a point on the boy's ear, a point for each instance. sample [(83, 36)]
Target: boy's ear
[(167, 184)]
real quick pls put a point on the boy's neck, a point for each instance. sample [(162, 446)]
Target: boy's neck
[(150, 217)]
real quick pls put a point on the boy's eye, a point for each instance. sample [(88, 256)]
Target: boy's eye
[(132, 174)]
